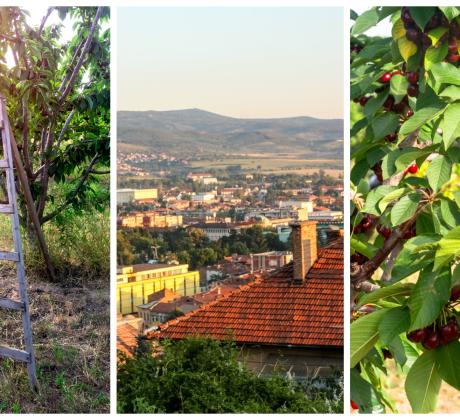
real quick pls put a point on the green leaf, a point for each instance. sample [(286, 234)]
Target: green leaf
[(404, 209), (448, 359), (450, 212), (364, 394), (429, 296), (420, 117), (374, 104), (395, 290), (375, 196), (410, 154), (385, 124), (451, 92), (365, 21), (365, 249), (398, 87), (422, 15), (363, 335), (451, 124), (423, 383), (435, 55), (439, 172), (409, 260), (395, 322), (436, 34), (398, 30), (448, 248), (391, 196), (406, 48), (445, 73), (450, 12), (370, 18)]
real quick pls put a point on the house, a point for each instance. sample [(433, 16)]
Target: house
[(290, 320)]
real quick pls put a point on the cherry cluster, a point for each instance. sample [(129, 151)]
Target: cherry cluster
[(439, 333)]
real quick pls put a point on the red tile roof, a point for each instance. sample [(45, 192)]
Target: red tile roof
[(274, 310), (126, 338)]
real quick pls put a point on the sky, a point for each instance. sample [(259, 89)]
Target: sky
[(261, 62)]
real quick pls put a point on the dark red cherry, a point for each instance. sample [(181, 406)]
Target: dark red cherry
[(417, 336), (455, 294), (453, 58), (432, 341), (412, 77), (412, 90), (449, 332)]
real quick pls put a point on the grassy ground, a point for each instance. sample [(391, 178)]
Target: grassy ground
[(70, 321)]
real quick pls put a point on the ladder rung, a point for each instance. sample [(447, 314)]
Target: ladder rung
[(3, 164), (6, 208), (15, 354), (11, 304), (9, 256)]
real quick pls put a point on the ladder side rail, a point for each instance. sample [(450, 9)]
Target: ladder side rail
[(20, 269)]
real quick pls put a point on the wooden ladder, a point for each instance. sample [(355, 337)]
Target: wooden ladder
[(17, 256)]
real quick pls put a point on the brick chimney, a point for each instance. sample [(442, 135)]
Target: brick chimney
[(304, 247)]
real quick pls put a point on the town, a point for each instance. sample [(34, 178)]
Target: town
[(193, 237)]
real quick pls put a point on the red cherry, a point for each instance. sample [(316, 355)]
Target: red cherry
[(453, 46), (412, 168), (363, 100), (412, 77), (453, 58), (410, 234), (417, 336), (391, 137), (455, 294), (409, 113), (389, 102), (387, 354), (385, 77), (449, 332), (412, 90), (432, 341), (354, 406), (366, 223), (385, 231)]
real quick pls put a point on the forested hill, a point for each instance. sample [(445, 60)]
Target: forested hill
[(194, 131)]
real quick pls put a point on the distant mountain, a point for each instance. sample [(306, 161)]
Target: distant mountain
[(196, 132)]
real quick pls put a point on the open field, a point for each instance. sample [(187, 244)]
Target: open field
[(267, 163)]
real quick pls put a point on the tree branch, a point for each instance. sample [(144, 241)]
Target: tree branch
[(44, 19), (85, 49), (365, 271), (25, 140), (64, 128)]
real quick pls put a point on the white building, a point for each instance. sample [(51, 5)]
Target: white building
[(204, 197)]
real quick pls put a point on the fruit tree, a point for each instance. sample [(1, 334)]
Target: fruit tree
[(405, 205), (56, 81)]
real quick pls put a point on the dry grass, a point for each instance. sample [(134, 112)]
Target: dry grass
[(448, 400), (71, 329)]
